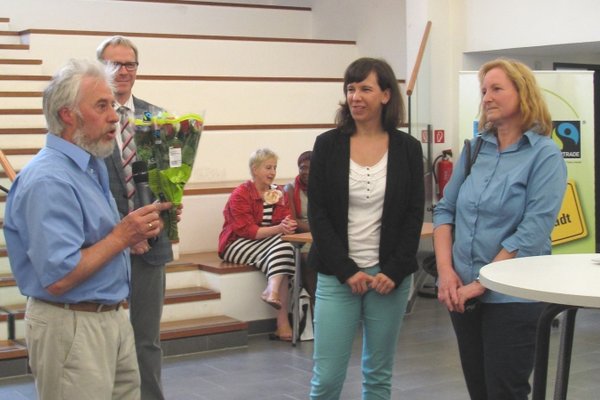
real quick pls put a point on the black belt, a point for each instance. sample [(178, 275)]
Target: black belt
[(86, 306)]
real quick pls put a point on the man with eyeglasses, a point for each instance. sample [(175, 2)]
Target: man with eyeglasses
[(147, 263)]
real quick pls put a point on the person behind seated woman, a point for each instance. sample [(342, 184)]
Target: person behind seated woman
[(296, 191), (256, 215)]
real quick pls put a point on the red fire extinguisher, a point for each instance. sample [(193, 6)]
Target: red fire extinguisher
[(442, 170)]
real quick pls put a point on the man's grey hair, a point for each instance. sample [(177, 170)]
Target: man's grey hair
[(115, 41), (64, 89)]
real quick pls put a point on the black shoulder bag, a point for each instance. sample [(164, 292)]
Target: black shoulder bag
[(471, 159)]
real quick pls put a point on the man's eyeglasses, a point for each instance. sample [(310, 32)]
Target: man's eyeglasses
[(129, 66)]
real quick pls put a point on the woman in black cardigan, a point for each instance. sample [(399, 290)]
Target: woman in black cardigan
[(366, 200)]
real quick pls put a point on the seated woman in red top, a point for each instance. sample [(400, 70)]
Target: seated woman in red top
[(256, 215)]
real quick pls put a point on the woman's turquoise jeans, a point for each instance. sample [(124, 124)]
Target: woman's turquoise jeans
[(337, 315)]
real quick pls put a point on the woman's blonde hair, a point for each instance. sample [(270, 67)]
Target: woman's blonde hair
[(259, 156), (534, 111)]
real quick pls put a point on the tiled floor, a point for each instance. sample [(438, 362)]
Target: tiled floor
[(427, 366)]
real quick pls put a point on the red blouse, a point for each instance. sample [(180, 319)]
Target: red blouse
[(243, 214)]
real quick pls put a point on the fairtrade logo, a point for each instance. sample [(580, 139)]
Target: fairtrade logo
[(567, 136)]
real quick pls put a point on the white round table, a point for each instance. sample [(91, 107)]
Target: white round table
[(567, 282), (571, 279)]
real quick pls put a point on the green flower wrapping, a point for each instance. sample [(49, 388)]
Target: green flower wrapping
[(168, 144)]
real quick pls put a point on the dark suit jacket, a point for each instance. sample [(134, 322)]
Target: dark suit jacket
[(161, 252), (403, 206)]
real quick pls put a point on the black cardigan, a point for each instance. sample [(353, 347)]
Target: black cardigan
[(403, 206)]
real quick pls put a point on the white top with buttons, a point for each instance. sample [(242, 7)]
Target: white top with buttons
[(366, 193)]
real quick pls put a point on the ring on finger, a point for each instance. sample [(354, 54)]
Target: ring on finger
[(150, 225)]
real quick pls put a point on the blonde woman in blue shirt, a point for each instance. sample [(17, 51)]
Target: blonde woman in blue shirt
[(505, 208)]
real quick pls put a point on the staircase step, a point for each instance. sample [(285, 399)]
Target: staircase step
[(20, 94), (7, 280), (20, 152), (181, 328), (20, 61), (200, 327), (14, 46), (178, 337), (18, 310), (210, 262), (11, 349), (191, 294), (172, 296), (179, 266), (21, 77), (21, 111)]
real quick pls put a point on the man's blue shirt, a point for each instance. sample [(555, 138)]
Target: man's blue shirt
[(510, 200), (59, 204)]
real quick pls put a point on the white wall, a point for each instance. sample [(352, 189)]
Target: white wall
[(466, 33), (158, 18), (506, 24), (378, 27)]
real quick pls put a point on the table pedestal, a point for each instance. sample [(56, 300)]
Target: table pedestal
[(540, 372), (296, 293)]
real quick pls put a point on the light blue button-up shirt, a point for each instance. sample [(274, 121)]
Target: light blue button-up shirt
[(510, 200), (59, 204)]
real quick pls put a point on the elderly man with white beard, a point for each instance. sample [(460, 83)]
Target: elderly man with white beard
[(69, 250)]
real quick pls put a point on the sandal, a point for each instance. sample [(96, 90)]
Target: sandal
[(272, 300), (285, 336)]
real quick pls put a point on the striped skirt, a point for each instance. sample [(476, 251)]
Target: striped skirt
[(271, 255)]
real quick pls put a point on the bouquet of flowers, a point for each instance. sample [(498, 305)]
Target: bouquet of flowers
[(168, 145)]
